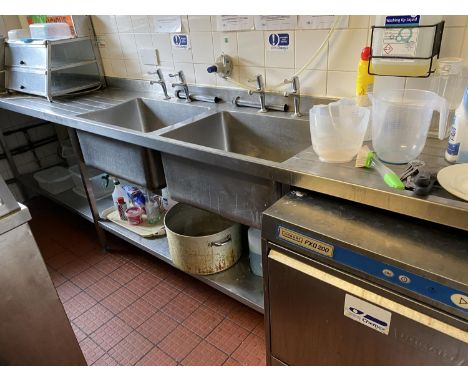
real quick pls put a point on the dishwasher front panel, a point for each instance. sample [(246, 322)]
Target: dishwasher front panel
[(308, 325)]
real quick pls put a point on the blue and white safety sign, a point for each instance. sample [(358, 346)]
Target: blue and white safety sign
[(180, 41), (278, 41)]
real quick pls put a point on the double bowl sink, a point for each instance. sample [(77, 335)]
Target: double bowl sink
[(238, 135)]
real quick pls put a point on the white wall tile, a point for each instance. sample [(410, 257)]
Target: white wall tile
[(356, 22), (185, 24), (129, 48), (202, 47), (133, 68), (143, 40), (455, 20), (341, 84), (202, 77), (119, 68), (188, 70), (110, 46), (124, 24), (385, 83), (11, 22), (162, 42), (182, 55), (247, 73), (314, 82), (148, 56), (167, 67), (140, 24), (226, 82), (464, 52), (307, 43), (104, 24), (279, 58), (274, 79), (452, 40), (3, 29), (225, 42), (345, 49), (251, 48), (199, 23)]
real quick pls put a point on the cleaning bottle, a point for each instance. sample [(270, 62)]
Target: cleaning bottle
[(364, 81), (457, 148), (118, 193)]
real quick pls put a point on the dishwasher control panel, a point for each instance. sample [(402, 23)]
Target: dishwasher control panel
[(410, 281)]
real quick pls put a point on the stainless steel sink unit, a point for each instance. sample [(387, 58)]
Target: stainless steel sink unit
[(238, 196), (136, 164)]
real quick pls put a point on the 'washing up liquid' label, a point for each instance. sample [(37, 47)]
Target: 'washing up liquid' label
[(399, 40)]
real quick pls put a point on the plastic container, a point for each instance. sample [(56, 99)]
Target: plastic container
[(96, 178), (54, 180), (400, 122), (167, 202), (68, 154), (398, 40), (134, 215), (255, 251), (118, 192), (447, 81), (256, 263), (457, 149), (18, 34), (50, 31), (337, 130)]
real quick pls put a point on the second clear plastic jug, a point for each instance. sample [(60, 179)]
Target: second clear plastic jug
[(401, 121)]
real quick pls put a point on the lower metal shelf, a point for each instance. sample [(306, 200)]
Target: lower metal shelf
[(237, 282)]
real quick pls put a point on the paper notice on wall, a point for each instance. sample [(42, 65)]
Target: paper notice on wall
[(276, 23), (234, 23), (166, 24), (321, 22)]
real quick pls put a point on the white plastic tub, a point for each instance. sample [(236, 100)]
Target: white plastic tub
[(99, 188), (54, 180), (50, 31)]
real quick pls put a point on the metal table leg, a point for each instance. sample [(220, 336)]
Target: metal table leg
[(88, 188)]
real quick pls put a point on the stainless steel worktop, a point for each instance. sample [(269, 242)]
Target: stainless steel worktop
[(304, 170)]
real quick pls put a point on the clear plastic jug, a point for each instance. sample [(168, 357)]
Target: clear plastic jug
[(401, 120), (337, 130)]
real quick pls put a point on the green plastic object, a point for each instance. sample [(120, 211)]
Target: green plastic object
[(392, 180)]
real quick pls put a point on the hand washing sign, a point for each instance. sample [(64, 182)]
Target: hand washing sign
[(278, 41), (180, 41)]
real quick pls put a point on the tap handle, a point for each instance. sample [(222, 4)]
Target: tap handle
[(160, 74), (179, 74), (259, 81), (295, 83)]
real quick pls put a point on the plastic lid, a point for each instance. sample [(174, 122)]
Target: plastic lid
[(365, 53), (120, 200)]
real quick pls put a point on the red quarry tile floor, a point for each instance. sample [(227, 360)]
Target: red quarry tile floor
[(129, 308)]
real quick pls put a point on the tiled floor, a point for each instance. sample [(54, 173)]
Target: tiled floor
[(128, 308)]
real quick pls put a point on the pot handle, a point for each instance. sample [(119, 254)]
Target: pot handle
[(220, 243)]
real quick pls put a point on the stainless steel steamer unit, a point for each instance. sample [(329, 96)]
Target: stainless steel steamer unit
[(349, 285)]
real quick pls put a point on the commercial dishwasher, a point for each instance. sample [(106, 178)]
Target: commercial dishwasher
[(347, 284)]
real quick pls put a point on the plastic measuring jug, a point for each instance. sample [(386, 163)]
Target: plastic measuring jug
[(400, 122), (337, 130)]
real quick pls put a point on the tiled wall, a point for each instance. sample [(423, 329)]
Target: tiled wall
[(7, 23), (333, 73)]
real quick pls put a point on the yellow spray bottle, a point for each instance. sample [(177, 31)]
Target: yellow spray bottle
[(364, 81)]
